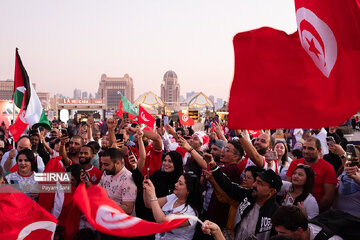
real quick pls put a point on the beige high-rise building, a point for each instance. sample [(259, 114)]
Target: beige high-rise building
[(111, 87), (6, 89), (44, 98), (170, 89)]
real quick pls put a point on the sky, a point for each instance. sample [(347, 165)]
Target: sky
[(68, 44)]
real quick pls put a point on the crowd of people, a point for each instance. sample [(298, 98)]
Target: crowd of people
[(267, 184)]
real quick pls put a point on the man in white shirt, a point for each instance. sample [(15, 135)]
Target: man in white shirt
[(321, 134)]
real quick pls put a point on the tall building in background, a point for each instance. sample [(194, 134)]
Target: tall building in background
[(44, 98), (111, 87), (190, 94), (77, 93), (219, 103), (84, 95), (170, 89), (6, 89)]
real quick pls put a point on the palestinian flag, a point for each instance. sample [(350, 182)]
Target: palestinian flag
[(126, 106), (25, 97), (21, 81)]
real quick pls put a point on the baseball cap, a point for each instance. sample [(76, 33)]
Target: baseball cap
[(272, 178), (219, 143)]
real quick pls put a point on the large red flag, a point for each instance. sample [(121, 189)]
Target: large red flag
[(20, 123), (185, 119), (22, 218), (308, 79), (145, 117), (107, 217)]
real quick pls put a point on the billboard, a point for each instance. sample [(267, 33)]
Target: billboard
[(6, 110)]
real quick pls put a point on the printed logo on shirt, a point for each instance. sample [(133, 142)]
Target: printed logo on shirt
[(265, 224), (243, 205)]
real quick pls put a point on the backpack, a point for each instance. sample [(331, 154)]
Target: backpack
[(336, 222)]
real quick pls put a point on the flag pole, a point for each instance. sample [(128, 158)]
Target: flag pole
[(13, 120)]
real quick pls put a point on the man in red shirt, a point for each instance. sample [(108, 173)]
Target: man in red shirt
[(325, 177), (85, 155)]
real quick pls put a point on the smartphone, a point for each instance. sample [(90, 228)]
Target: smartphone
[(86, 175), (147, 173), (119, 136), (351, 154), (64, 132), (130, 152), (166, 120), (125, 115), (158, 122), (14, 182), (330, 139)]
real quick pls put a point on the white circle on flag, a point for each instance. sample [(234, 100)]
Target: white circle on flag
[(323, 51), (185, 118), (46, 225), (112, 218)]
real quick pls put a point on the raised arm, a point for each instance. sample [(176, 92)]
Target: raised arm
[(46, 146), (65, 159), (156, 139), (194, 154), (111, 123), (219, 131), (142, 151), (250, 150), (233, 190)]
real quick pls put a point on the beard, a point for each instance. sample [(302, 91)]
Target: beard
[(262, 151), (310, 159), (216, 159), (84, 160), (73, 151), (111, 172)]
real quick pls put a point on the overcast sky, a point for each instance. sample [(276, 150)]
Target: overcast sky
[(69, 44)]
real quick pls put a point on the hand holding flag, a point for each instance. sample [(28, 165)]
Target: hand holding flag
[(107, 217)]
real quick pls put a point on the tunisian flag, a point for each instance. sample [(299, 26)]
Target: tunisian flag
[(22, 218), (145, 117), (309, 79), (185, 119), (107, 217)]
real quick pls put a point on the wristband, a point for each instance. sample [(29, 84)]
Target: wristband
[(154, 199), (213, 170), (191, 150)]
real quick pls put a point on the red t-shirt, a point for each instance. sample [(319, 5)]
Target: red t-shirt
[(153, 159), (324, 173), (94, 175)]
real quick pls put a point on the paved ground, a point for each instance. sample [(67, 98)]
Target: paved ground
[(353, 137)]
